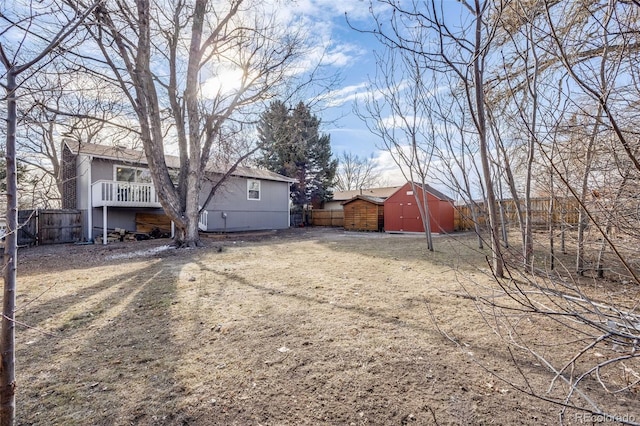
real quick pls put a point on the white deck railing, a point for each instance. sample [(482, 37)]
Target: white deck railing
[(203, 220), (123, 194)]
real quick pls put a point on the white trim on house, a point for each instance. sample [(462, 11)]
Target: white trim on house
[(90, 203), (253, 187), (144, 170)]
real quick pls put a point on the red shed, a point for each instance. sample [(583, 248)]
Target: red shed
[(401, 213)]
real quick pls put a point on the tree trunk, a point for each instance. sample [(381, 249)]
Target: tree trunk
[(192, 235), (481, 123), (476, 223), (7, 340), (528, 228), (532, 87), (582, 216), (423, 208), (503, 217), (550, 218), (506, 166), (563, 245)]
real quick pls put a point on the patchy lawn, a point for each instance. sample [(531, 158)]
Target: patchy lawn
[(305, 326)]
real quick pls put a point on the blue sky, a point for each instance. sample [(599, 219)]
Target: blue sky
[(350, 55)]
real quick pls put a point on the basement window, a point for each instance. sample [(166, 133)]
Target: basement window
[(253, 190)]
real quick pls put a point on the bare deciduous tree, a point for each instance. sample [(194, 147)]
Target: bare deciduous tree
[(584, 146), (27, 41), (397, 111), (62, 103), (355, 172), (193, 72), (427, 32), (554, 112)]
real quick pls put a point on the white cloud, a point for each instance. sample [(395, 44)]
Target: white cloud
[(343, 54), (321, 20), (331, 8), (392, 122), (393, 175), (315, 20), (355, 9), (388, 169), (419, 123), (344, 95)]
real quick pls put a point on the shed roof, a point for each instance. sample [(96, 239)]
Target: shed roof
[(375, 200), (370, 192), (430, 189), (128, 155)]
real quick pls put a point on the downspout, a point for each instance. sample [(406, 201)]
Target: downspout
[(90, 206), (288, 205)]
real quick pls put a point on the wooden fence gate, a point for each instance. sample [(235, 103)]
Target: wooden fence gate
[(49, 227), (28, 228)]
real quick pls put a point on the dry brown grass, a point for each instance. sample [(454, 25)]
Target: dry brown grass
[(298, 327)]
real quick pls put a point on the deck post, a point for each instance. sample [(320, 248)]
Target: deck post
[(104, 225)]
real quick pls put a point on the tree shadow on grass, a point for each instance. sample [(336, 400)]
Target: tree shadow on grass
[(80, 301), (107, 361), (417, 338)]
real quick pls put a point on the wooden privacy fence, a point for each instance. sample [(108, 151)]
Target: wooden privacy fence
[(49, 226), (565, 211), (327, 218)]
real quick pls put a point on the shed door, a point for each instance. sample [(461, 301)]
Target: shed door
[(402, 217), (411, 221), (392, 216)]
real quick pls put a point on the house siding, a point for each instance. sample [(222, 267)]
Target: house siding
[(333, 205), (103, 169), (270, 212), (83, 185), (118, 217)]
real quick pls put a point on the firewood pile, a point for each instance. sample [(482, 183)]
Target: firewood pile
[(119, 234)]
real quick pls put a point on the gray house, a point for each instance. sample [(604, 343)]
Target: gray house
[(112, 187)]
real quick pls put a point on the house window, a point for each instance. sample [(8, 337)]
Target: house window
[(132, 174), (253, 190)]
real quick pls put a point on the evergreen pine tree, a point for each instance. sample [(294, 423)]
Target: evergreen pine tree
[(291, 144)]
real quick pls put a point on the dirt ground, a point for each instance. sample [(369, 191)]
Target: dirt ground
[(297, 327)]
